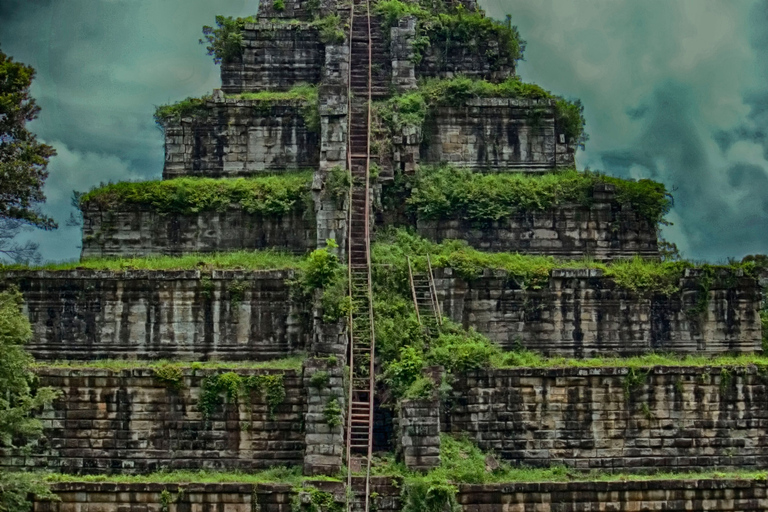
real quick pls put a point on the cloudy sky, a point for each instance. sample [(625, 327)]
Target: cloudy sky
[(674, 90)]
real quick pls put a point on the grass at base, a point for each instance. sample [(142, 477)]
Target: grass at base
[(528, 359), (293, 476), (239, 260), (288, 363)]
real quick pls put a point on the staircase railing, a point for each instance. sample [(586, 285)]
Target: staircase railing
[(359, 434)]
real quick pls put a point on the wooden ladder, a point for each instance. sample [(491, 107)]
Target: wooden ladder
[(359, 433), (424, 294)]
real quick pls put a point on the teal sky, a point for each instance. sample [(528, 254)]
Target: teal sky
[(674, 90)]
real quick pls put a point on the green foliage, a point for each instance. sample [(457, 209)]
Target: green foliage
[(190, 107), (117, 365), (323, 271), (337, 183), (16, 489), (634, 380), (320, 379), (278, 5), (330, 28), (23, 160), (319, 501), (413, 107), (446, 27), (277, 474), (332, 413), (450, 192), (225, 40), (231, 386), (306, 93), (268, 196), (19, 399), (169, 374), (19, 395), (243, 260)]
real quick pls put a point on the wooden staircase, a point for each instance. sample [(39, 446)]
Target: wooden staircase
[(425, 301), (361, 329)]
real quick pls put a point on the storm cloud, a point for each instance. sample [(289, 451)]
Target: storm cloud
[(674, 90)]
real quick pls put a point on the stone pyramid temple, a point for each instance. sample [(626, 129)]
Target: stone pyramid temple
[(372, 278)]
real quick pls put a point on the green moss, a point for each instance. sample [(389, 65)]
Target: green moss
[(332, 413), (231, 386), (267, 196), (272, 475), (241, 260), (190, 107), (412, 108), (162, 366), (169, 374), (455, 193)]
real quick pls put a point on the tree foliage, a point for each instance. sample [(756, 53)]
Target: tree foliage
[(19, 398), (23, 160)]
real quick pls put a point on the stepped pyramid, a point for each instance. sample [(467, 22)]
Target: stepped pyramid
[(337, 126)]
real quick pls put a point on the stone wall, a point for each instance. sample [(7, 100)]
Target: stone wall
[(665, 418), (177, 315), (583, 314), (604, 230), (238, 315), (235, 137), (135, 230), (325, 448), (129, 421), (497, 134), (276, 56), (476, 59), (722, 495)]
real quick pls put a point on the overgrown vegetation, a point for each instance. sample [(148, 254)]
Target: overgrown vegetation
[(445, 27), (241, 260), (20, 398), (232, 386), (405, 348), (167, 370), (267, 196), (455, 193), (272, 475), (306, 93), (412, 108), (175, 112), (225, 40)]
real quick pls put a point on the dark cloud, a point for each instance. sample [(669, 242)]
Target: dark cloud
[(675, 91), (102, 67)]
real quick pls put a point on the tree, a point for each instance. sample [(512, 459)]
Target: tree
[(19, 399), (23, 160)]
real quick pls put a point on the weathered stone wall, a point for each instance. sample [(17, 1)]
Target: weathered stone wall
[(477, 59), (134, 230), (236, 137), (129, 421), (722, 495), (604, 230), (583, 314), (237, 315), (497, 134), (112, 497), (276, 56), (325, 449), (177, 315), (668, 419)]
